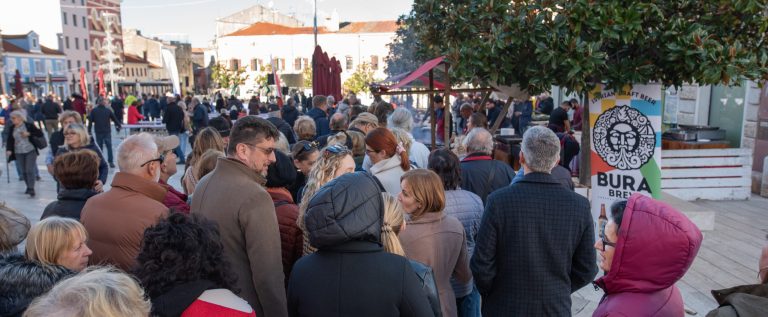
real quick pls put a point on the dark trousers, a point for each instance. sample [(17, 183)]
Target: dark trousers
[(27, 163), (105, 140)]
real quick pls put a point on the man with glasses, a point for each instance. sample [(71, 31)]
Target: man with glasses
[(233, 195), (535, 243), (116, 219)]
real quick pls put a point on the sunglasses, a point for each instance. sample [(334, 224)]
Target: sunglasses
[(159, 159), (336, 150), (308, 146)]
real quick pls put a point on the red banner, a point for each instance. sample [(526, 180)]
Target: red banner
[(83, 89), (102, 89)]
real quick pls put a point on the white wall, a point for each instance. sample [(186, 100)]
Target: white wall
[(289, 47), (74, 33)]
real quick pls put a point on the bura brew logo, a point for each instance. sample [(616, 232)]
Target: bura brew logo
[(624, 138)]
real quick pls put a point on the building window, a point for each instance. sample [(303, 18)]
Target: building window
[(375, 62), (306, 63), (84, 25), (25, 66), (59, 65), (255, 65), (349, 62), (88, 66), (85, 44), (34, 43), (234, 64), (282, 63), (297, 63), (49, 66), (78, 65), (82, 2), (77, 43), (66, 42), (39, 67), (74, 19), (186, 81), (69, 65), (64, 18), (11, 65)]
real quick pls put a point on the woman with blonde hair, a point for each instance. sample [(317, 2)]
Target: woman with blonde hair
[(305, 129), (334, 161), (390, 228), (95, 293), (205, 140), (207, 163), (76, 138), (58, 241), (432, 237)]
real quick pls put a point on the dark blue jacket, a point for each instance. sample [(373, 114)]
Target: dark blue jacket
[(482, 175), (69, 204), (100, 117), (533, 249), (322, 126), (51, 110), (200, 116), (153, 107), (103, 167)]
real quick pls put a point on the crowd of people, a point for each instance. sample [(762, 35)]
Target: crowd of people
[(325, 208)]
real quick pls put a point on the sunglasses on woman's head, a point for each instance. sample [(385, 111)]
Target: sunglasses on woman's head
[(308, 146), (336, 149)]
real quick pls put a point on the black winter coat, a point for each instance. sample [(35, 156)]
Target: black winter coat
[(174, 119), (51, 110), (283, 127), (482, 175), (350, 274), (290, 114), (22, 281), (69, 204)]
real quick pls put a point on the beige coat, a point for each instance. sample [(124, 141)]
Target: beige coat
[(116, 220), (438, 240), (233, 196)]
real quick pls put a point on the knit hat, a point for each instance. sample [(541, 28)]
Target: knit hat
[(281, 173)]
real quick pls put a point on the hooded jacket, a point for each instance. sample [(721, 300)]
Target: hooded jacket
[(350, 274), (655, 247), (322, 126), (22, 281)]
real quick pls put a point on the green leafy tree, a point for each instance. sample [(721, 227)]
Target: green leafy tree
[(402, 56), (360, 79), (306, 75), (577, 44), (228, 78)]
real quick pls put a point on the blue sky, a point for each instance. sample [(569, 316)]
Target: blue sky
[(195, 18)]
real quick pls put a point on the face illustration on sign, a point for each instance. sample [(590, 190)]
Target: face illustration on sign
[(624, 138)]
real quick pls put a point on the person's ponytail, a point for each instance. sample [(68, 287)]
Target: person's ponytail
[(390, 226)]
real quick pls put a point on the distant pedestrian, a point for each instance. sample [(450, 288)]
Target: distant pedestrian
[(101, 117), (20, 148), (174, 123), (51, 111), (319, 113)]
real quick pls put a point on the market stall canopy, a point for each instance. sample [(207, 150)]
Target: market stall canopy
[(418, 78)]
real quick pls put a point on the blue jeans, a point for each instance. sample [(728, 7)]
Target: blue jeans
[(102, 140), (20, 171), (179, 150), (469, 306), (27, 162)]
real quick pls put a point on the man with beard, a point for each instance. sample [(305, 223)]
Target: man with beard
[(234, 196)]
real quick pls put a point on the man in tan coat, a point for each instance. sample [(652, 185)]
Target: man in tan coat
[(233, 195), (116, 219)]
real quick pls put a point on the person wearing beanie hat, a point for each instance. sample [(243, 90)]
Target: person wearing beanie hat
[(351, 274), (174, 199), (280, 175)]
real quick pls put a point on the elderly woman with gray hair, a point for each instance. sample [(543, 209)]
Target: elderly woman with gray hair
[(21, 148)]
